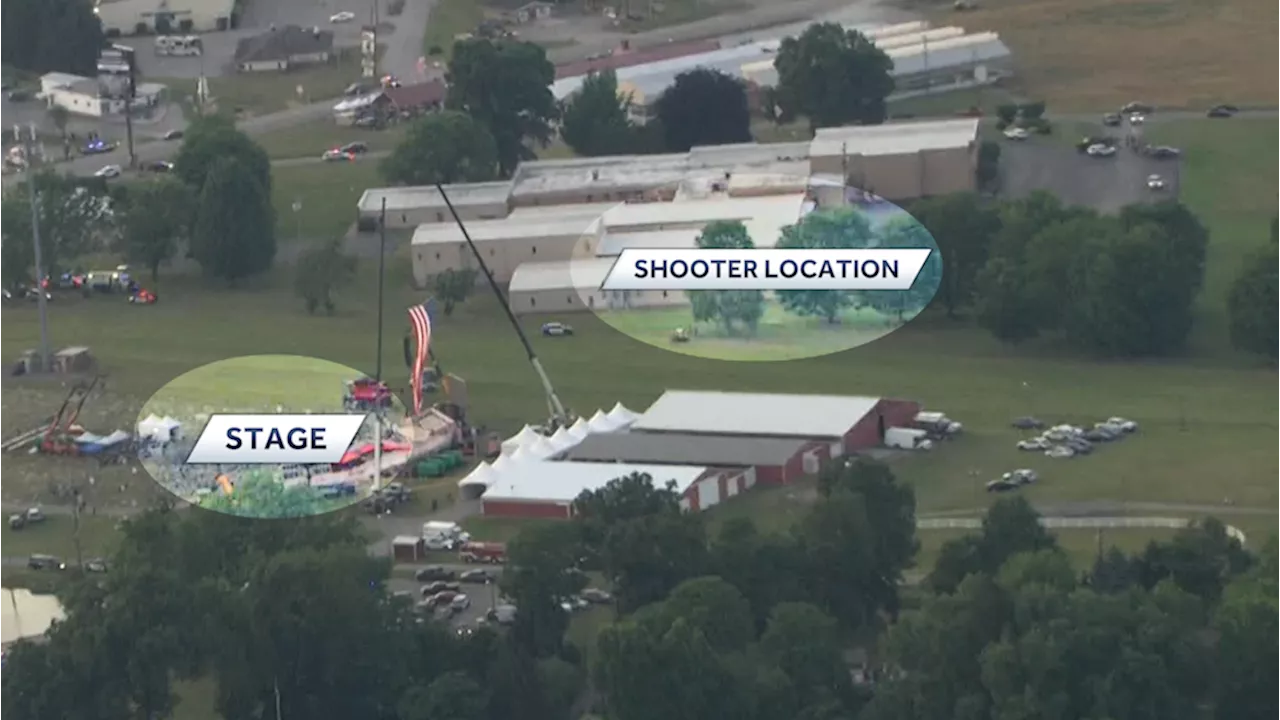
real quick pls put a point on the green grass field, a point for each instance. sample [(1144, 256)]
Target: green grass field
[(311, 139), (57, 536), (254, 383), (328, 194), (448, 19)]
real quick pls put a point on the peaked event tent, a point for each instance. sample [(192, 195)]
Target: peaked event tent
[(526, 435), (540, 448), (563, 440), (601, 423), (483, 475), (621, 416), (499, 465), (580, 430)]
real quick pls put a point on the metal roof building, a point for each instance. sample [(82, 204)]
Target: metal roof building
[(772, 461), (412, 206), (547, 489), (895, 138)]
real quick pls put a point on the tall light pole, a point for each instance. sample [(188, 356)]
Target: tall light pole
[(29, 144), (377, 418)]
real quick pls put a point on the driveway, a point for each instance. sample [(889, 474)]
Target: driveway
[(1105, 184)]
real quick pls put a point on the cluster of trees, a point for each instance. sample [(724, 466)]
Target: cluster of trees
[(75, 216), (1120, 285), (43, 36), (1009, 629), (260, 494), (500, 106), (740, 311), (1252, 303)]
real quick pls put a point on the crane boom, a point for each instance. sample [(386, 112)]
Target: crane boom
[(558, 413)]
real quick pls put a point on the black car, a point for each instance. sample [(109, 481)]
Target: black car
[(173, 135), (1111, 120), (45, 562), (1140, 108), (355, 148), (478, 577), (434, 572), (1223, 111), (158, 166), (439, 586)]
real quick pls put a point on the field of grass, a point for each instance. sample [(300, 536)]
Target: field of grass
[(780, 336), (56, 536), (254, 383), (311, 139), (328, 193), (448, 19), (1092, 55), (260, 93)]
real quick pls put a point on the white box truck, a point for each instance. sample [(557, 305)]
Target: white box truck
[(907, 439)]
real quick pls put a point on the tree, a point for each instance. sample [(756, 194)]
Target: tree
[(453, 287), (728, 307), (234, 235), (1201, 560), (443, 147), (321, 270), (631, 497), (805, 643), (213, 139), (704, 107), (74, 219), (1003, 301), (716, 608), (1245, 657), (963, 229), (1010, 527), (1252, 302), (452, 696), (539, 577), (596, 119), (1185, 238), (505, 86), (157, 220), (988, 169), (59, 116), (833, 76), (825, 229), (767, 568), (55, 35), (261, 495), (905, 232)]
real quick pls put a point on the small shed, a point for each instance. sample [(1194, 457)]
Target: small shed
[(73, 360), (408, 549)]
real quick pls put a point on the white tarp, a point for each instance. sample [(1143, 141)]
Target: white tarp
[(483, 476), (621, 416), (601, 423)]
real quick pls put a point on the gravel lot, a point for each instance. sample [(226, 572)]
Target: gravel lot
[(1106, 184)]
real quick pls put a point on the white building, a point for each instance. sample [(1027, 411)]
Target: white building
[(134, 17), (88, 96)]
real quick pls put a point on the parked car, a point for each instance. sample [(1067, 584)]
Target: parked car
[(441, 599), (433, 572), (1028, 423), (355, 148), (342, 17), (1128, 426), (1100, 150), (96, 565), (1060, 451), (440, 586), (1223, 111), (1035, 444), (1155, 182), (337, 155), (1022, 476), (108, 172), (1163, 152), (1111, 119), (459, 603), (173, 135), (1137, 119), (1000, 486), (477, 577), (1016, 133), (158, 166), (596, 596), (556, 329), (1137, 107), (45, 562)]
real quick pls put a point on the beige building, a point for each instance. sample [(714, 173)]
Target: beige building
[(561, 210), (134, 17)]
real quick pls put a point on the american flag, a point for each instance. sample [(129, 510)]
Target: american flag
[(420, 319)]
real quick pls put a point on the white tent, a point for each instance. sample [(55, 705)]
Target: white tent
[(483, 476), (499, 465), (540, 448), (563, 440), (621, 416), (600, 423), (522, 454), (580, 429), (160, 429), (526, 435)]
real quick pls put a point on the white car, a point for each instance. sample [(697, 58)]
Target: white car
[(1125, 425), (1137, 119), (1016, 133), (1060, 451), (342, 17), (1155, 182), (108, 172), (1033, 445), (336, 155), (1100, 150)]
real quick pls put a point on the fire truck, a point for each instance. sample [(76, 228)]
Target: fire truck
[(480, 552), (366, 394)]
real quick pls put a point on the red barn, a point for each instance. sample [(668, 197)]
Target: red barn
[(770, 461), (844, 424)]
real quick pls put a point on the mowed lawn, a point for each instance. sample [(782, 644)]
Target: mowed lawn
[(312, 139), (327, 194), (254, 384), (1208, 420), (1091, 55)]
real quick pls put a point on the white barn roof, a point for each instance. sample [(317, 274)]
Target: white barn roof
[(504, 229), (584, 274), (895, 138), (563, 482), (731, 413), (413, 198)]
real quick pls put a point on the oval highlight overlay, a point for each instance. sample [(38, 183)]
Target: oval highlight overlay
[(193, 447), (775, 313)]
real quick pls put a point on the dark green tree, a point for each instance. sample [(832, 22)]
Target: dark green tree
[(729, 308), (42, 36), (212, 139), (505, 86), (443, 147), (1252, 303), (963, 229), (1200, 560), (1010, 527), (839, 228), (716, 608), (321, 271), (156, 222), (453, 287), (234, 235), (832, 76), (596, 119), (74, 219), (704, 107), (1245, 660), (906, 233), (261, 495), (539, 578), (767, 568), (452, 696)]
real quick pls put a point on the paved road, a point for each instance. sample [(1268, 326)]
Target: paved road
[(1098, 508)]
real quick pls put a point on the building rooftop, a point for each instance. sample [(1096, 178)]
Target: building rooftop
[(583, 274), (920, 59), (283, 43), (623, 58), (559, 482), (760, 414), (504, 229), (677, 449), (418, 95), (931, 36), (895, 138), (614, 243), (543, 213), (426, 196), (760, 214)]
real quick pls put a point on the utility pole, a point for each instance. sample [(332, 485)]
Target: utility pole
[(130, 92), (75, 530), (382, 266), (42, 305)]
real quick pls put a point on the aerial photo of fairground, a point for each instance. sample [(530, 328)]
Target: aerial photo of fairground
[(172, 420), (754, 325)]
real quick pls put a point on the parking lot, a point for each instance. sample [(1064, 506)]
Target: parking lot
[(1105, 184), (483, 597)]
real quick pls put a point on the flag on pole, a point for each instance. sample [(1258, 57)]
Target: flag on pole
[(420, 320)]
